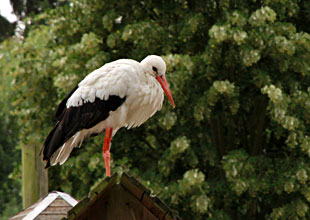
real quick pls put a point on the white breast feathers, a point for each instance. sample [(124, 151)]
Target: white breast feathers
[(123, 78)]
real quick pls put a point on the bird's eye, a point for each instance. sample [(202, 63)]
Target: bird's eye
[(154, 69)]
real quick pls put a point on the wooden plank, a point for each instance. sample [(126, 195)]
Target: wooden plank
[(49, 217), (16, 218), (69, 199), (156, 209), (98, 190), (30, 177), (72, 213), (51, 210), (41, 206), (35, 180), (104, 185), (134, 186), (129, 200), (154, 204), (21, 214), (117, 204), (60, 202)]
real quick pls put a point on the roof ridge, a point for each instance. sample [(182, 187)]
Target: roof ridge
[(46, 201), (65, 196), (42, 205), (135, 188)]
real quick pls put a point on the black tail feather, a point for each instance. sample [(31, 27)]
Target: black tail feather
[(53, 141), (73, 119)]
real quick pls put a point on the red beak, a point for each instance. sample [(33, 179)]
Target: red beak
[(163, 82)]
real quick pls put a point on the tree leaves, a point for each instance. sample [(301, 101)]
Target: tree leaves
[(237, 144)]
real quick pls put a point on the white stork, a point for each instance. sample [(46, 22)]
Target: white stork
[(123, 93)]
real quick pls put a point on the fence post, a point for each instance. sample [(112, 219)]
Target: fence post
[(35, 178)]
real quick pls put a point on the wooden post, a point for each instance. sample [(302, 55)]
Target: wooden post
[(35, 179)]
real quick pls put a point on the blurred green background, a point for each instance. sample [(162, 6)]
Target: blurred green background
[(236, 146)]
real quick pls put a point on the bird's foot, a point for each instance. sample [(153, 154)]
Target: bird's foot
[(107, 156)]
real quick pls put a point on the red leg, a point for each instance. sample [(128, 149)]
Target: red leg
[(106, 149)]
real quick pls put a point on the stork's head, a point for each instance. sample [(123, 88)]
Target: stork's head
[(156, 67)]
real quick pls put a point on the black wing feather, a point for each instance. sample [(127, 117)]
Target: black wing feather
[(74, 119), (62, 105)]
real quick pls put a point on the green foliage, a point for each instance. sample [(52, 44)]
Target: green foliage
[(10, 179), (23, 9), (237, 145)]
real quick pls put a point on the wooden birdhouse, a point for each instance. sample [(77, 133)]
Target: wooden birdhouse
[(54, 206), (109, 200), (126, 200)]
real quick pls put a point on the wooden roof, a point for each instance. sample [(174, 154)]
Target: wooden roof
[(54, 206), (128, 199)]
